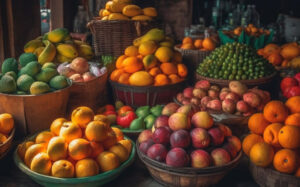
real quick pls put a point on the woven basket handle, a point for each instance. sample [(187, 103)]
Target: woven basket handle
[(137, 25), (90, 25)]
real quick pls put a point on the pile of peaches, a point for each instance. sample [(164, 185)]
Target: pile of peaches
[(82, 147), (183, 137), (275, 136), (236, 99)]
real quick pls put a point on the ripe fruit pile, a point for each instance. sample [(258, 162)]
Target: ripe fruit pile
[(32, 78), (287, 55), (237, 99), (79, 70), (290, 86), (235, 61), (83, 147), (275, 136), (206, 44), (6, 126), (151, 60), (250, 30), (58, 46), (125, 10), (181, 130)]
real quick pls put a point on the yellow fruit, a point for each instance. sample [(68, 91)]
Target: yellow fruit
[(106, 13), (127, 144), (62, 169), (32, 151), (22, 148), (115, 6), (150, 11), (6, 123), (79, 149), (56, 125), (82, 116), (85, 51), (120, 151), (48, 54), (96, 131), (166, 44), (147, 48), (131, 51), (38, 51), (117, 16), (61, 59), (44, 137), (67, 50), (149, 61), (262, 154), (57, 35), (137, 42), (108, 161), (141, 78), (70, 131), (57, 148), (3, 138), (86, 168), (132, 10), (164, 54), (141, 18), (41, 163), (32, 45)]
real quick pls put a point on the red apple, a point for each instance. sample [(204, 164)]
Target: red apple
[(161, 121), (252, 99), (200, 138), (144, 146), (228, 106), (179, 121), (293, 91), (242, 106), (157, 152), (204, 84), (161, 135), (200, 159), (177, 157), (199, 93), (202, 119), (188, 92), (145, 135), (169, 109), (288, 82), (220, 157), (217, 136), (180, 138), (214, 104)]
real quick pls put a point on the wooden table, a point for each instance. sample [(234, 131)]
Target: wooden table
[(135, 176)]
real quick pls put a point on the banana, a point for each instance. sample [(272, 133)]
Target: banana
[(61, 59), (85, 51), (67, 50), (58, 35), (32, 45), (48, 53)]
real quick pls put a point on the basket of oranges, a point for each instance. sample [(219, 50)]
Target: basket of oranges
[(7, 132), (82, 152), (274, 142), (150, 72)]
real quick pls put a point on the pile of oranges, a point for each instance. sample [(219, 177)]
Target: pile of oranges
[(82, 147), (150, 62), (206, 44), (250, 30), (275, 136), (6, 126), (280, 55)]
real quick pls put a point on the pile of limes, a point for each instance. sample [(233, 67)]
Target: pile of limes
[(235, 61)]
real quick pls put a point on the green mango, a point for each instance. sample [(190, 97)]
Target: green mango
[(46, 74), (8, 84), (149, 121), (143, 111), (59, 82), (12, 74), (156, 110), (137, 124)]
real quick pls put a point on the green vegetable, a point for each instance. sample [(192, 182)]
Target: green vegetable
[(149, 120), (137, 124), (143, 111), (156, 110)]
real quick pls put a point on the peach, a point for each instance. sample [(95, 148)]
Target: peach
[(203, 84), (200, 159), (188, 92), (242, 106), (186, 109), (230, 149), (145, 135), (220, 157), (214, 104), (80, 65), (217, 136), (238, 87), (225, 129), (233, 96), (213, 93), (169, 109), (235, 141), (177, 157), (202, 119), (200, 138), (180, 138), (179, 121), (161, 135), (228, 106), (57, 148), (157, 152), (252, 99), (223, 95), (199, 93), (76, 77), (161, 121), (205, 100)]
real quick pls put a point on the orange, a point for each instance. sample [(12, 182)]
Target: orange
[(147, 48), (23, 147), (119, 133), (293, 104), (249, 141), (32, 151), (257, 123), (187, 46), (44, 137), (271, 134), (97, 148), (198, 43), (131, 51), (100, 117), (41, 163), (108, 161), (141, 78), (285, 161), (275, 111), (57, 148), (177, 57), (56, 125), (110, 140), (271, 48), (208, 44), (260, 52), (114, 76), (161, 79), (168, 68), (289, 136), (237, 31), (290, 52), (285, 63), (154, 71), (187, 40), (174, 78), (124, 78), (86, 167), (182, 70), (82, 116), (293, 119), (119, 62), (275, 59), (132, 64), (261, 154), (96, 131), (62, 169), (127, 144), (164, 54), (79, 149), (3, 138), (120, 151), (70, 131), (6, 123)]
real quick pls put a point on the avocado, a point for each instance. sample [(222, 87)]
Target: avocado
[(25, 58), (7, 84), (9, 64), (46, 74), (24, 82), (39, 87), (59, 82)]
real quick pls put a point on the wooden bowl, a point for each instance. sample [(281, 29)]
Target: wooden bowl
[(268, 177), (187, 176), (5, 147)]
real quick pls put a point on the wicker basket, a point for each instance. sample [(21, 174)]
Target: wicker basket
[(92, 94), (268, 177), (5, 147), (186, 177), (192, 58), (136, 96), (111, 37)]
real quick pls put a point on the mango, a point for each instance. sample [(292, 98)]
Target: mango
[(141, 18), (61, 59), (79, 42), (25, 58), (67, 50), (85, 51), (7, 84), (137, 42), (24, 82), (9, 64), (150, 11), (149, 61), (49, 65), (46, 74), (132, 10), (59, 82), (57, 35), (117, 16), (31, 69), (39, 87), (156, 35), (115, 6), (32, 45), (48, 53), (147, 48)]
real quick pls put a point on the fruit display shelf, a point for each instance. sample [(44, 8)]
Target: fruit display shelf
[(96, 180)]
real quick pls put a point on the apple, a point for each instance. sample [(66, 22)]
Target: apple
[(145, 135), (157, 152), (202, 119), (231, 150), (180, 138), (186, 101), (177, 157), (161, 135), (179, 121), (200, 159), (235, 141), (195, 101), (180, 97), (188, 92), (225, 129), (223, 95), (220, 157), (288, 82), (199, 93), (144, 146), (200, 138), (186, 109), (161, 121), (297, 77), (292, 91), (203, 84), (217, 136)]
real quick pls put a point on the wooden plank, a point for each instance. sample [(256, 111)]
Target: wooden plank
[(10, 26), (2, 57), (57, 16)]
